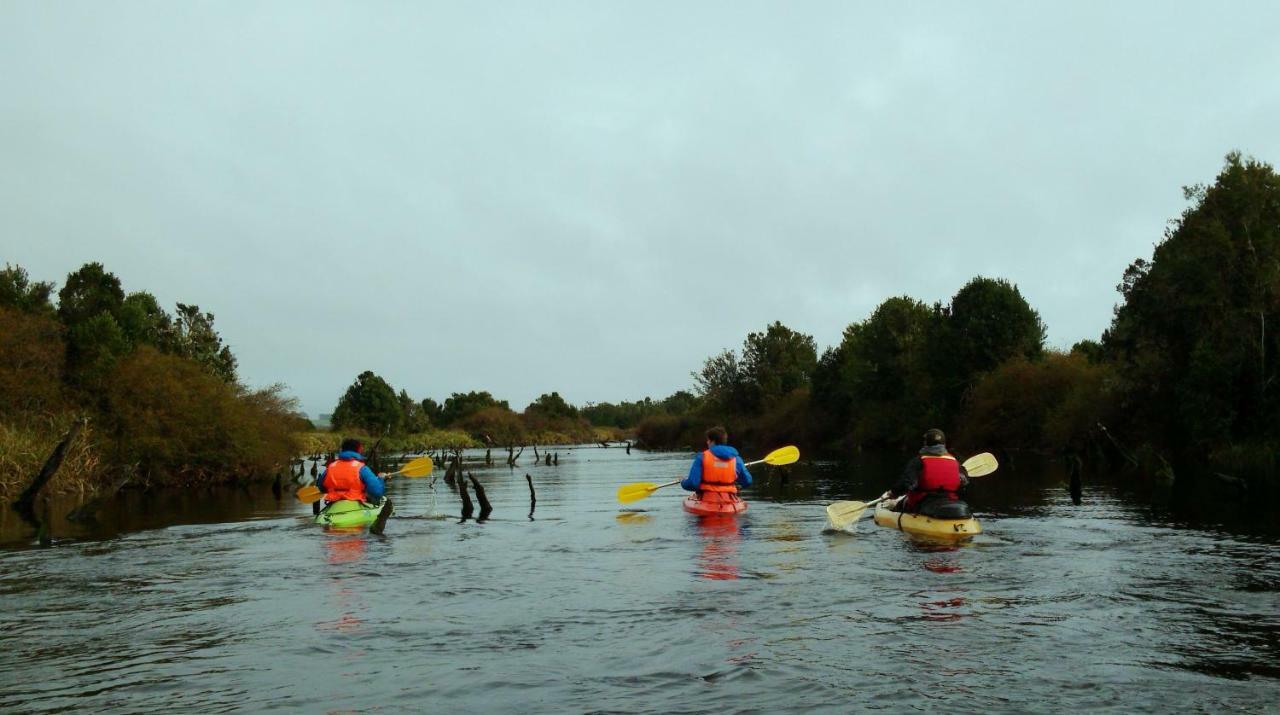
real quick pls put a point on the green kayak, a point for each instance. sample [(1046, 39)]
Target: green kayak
[(347, 514)]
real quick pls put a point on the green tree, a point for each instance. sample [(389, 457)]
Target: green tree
[(432, 411), (89, 292), (722, 383), (369, 404), (1194, 338), (192, 335), (143, 321), (460, 405), (777, 362), (93, 347), (987, 323), (17, 291), (680, 402), (415, 419), (553, 406), (874, 386)]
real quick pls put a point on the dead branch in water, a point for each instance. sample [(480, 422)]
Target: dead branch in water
[(485, 507), (467, 508), (27, 499), (86, 511)]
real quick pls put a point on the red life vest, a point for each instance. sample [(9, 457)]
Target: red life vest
[(938, 475), (342, 481), (719, 475)]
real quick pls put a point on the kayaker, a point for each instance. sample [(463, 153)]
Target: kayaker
[(347, 477), (718, 468), (934, 473)]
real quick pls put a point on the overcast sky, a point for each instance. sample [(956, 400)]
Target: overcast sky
[(594, 197)]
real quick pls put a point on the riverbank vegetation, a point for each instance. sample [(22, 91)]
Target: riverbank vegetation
[(156, 391), (371, 407), (1182, 382)]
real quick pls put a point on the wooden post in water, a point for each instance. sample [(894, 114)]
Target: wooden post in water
[(533, 498)]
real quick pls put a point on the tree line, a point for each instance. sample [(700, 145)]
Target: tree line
[(157, 391), (371, 406), (1183, 381)]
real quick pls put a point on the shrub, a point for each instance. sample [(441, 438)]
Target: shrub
[(181, 424), (32, 357)]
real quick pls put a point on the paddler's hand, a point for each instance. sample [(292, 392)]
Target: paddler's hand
[(886, 496)]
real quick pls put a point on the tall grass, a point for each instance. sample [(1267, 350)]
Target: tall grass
[(25, 446)]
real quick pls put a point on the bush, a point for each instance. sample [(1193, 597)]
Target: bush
[(180, 424), (1051, 403), (668, 432), (32, 358)]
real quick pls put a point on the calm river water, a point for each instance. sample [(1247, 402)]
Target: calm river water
[(232, 601)]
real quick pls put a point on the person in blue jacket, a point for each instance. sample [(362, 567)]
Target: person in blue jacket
[(347, 477), (719, 468)]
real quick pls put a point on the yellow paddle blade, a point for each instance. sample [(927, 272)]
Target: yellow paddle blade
[(420, 467), (843, 513), (783, 455), (980, 465), (635, 491), (308, 494)]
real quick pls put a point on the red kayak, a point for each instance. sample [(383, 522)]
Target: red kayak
[(712, 503)]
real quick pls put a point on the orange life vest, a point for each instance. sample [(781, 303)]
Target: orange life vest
[(719, 475), (342, 481), (938, 475)]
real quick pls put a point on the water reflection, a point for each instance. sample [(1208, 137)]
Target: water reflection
[(344, 546), (720, 534), (634, 517)]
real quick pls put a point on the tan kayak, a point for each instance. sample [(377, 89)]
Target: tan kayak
[(921, 525)]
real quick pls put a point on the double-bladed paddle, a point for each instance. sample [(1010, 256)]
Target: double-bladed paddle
[(420, 467), (843, 513), (636, 491)]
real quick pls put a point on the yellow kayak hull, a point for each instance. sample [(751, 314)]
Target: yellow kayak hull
[(920, 525)]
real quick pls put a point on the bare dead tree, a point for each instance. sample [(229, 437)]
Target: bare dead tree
[(26, 500)]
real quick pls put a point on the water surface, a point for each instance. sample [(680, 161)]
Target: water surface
[(231, 601)]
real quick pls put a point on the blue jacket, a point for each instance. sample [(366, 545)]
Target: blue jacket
[(373, 486), (693, 482)]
